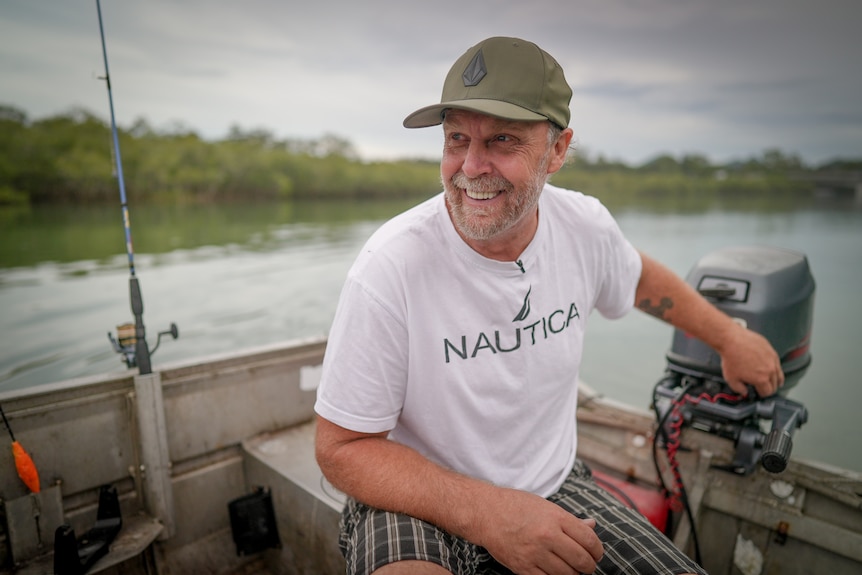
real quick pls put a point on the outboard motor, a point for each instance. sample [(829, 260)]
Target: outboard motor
[(768, 290)]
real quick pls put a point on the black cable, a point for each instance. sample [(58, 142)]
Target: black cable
[(683, 494), (684, 498), (8, 427), (659, 431), (608, 486)]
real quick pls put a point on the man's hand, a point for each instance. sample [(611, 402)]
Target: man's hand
[(525, 532), (747, 358), (531, 535)]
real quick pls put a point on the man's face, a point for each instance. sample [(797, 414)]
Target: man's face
[(493, 172)]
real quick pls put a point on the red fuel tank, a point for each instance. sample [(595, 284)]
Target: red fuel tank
[(649, 502)]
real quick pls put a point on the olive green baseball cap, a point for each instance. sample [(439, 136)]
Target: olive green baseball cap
[(507, 78)]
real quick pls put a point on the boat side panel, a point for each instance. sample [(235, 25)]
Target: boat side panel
[(215, 409), (201, 500), (752, 544), (210, 409), (79, 442)]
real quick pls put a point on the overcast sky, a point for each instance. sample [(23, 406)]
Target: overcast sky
[(724, 78)]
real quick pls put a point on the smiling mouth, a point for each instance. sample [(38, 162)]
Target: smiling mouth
[(478, 195), (483, 188)]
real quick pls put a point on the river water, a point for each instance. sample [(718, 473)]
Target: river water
[(233, 277)]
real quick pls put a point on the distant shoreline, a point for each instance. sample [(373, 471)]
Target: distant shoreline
[(67, 159)]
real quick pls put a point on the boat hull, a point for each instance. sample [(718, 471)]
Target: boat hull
[(182, 443)]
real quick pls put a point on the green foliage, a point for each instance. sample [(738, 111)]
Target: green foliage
[(688, 181), (68, 159)]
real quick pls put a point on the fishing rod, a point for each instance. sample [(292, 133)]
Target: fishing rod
[(131, 339)]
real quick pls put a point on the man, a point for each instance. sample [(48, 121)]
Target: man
[(446, 410)]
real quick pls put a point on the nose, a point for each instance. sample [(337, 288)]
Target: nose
[(477, 159)]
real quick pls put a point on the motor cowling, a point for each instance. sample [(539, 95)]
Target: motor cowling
[(768, 290)]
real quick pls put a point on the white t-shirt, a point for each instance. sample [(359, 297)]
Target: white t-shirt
[(472, 361)]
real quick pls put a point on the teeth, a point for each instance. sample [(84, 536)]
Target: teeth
[(482, 195)]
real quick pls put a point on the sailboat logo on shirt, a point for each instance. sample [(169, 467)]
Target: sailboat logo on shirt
[(496, 341), (525, 309)]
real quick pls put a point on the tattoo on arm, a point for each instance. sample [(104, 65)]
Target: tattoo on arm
[(659, 310)]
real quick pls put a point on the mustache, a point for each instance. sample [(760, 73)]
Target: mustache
[(482, 183)]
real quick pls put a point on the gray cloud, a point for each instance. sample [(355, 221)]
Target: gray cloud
[(726, 79)]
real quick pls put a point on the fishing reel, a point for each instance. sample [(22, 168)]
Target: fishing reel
[(126, 342), (709, 405)]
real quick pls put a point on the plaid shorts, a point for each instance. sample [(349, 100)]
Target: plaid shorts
[(371, 538)]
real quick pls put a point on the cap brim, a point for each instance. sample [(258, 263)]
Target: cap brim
[(433, 115)]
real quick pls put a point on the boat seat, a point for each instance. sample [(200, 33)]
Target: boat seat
[(307, 507)]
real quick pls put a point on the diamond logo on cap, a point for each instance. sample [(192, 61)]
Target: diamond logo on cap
[(475, 70)]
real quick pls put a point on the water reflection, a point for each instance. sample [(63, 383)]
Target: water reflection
[(33, 235), (38, 234)]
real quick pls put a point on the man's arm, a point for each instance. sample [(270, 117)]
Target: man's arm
[(747, 358), (523, 531)]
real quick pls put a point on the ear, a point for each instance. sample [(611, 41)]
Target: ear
[(560, 150)]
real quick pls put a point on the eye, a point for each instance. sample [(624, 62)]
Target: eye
[(455, 139)]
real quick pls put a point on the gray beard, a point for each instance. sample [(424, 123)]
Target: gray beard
[(469, 221)]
